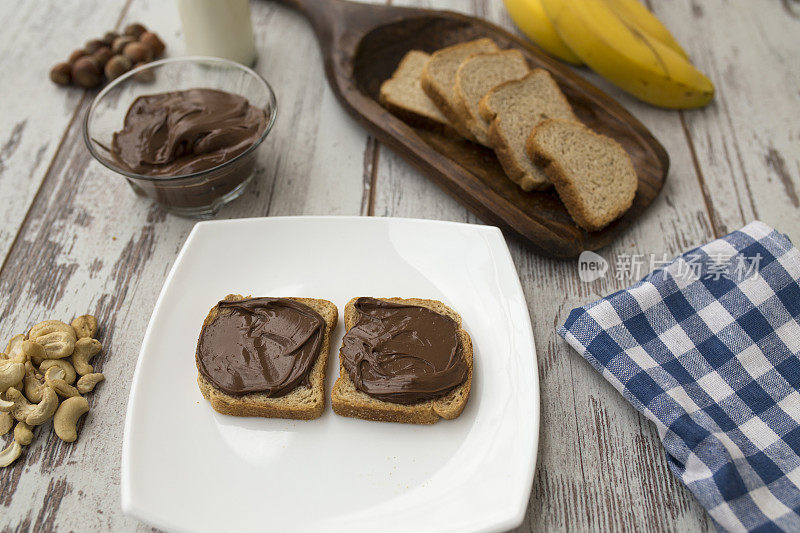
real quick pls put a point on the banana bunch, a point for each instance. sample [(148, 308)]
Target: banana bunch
[(622, 41)]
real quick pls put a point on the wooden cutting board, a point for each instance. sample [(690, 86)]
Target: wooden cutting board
[(362, 45)]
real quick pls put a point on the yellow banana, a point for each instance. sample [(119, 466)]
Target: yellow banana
[(636, 15), (631, 59), (530, 18)]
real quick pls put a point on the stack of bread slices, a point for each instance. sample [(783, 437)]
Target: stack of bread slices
[(492, 97)]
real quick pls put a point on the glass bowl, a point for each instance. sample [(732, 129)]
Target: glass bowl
[(199, 194)]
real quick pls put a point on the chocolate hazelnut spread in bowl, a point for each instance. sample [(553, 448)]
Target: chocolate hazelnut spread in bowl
[(183, 131)]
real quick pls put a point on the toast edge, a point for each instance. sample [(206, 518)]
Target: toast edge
[(279, 407), (427, 412)]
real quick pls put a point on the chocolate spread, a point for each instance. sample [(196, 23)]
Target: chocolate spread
[(266, 345), (403, 353), (182, 132)]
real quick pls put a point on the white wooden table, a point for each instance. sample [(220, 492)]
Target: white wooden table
[(75, 239)]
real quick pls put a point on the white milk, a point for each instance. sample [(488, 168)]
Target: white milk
[(219, 28)]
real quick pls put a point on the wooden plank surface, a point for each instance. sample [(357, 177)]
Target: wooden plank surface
[(34, 113), (89, 244), (601, 465), (747, 143), (75, 239)]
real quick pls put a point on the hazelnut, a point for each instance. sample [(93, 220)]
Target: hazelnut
[(117, 66), (108, 38), (61, 73), (96, 62), (93, 45), (151, 40), (86, 73), (135, 30), (102, 55), (137, 52), (73, 57), (120, 42), (145, 76)]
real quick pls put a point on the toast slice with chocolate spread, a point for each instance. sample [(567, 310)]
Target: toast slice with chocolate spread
[(349, 401), (301, 403)]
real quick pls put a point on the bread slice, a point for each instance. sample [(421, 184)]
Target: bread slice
[(439, 77), (513, 109), (475, 77), (302, 403), (348, 401), (403, 96), (593, 174)]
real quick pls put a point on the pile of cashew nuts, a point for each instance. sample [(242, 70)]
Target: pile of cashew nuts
[(44, 375)]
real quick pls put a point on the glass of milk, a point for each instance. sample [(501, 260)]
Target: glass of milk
[(218, 28)]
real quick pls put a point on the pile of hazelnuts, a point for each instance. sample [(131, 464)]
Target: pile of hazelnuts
[(109, 57)]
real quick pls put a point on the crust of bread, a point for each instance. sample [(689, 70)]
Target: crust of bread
[(462, 112), (348, 401), (519, 174), (440, 99), (419, 121), (302, 403), (447, 110), (409, 116), (472, 121), (502, 149), (565, 186)]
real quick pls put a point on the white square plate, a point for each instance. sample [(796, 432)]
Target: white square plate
[(187, 468)]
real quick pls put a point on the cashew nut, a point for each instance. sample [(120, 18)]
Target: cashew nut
[(85, 349), (22, 350), (13, 342), (54, 378), (63, 364), (85, 326), (58, 344), (57, 338), (33, 414), (23, 433), (6, 406), (10, 454), (67, 415), (54, 373), (33, 351), (33, 383), (14, 350), (88, 382), (11, 373), (6, 423), (49, 326)]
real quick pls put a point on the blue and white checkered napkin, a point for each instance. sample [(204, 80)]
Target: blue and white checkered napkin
[(707, 347)]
